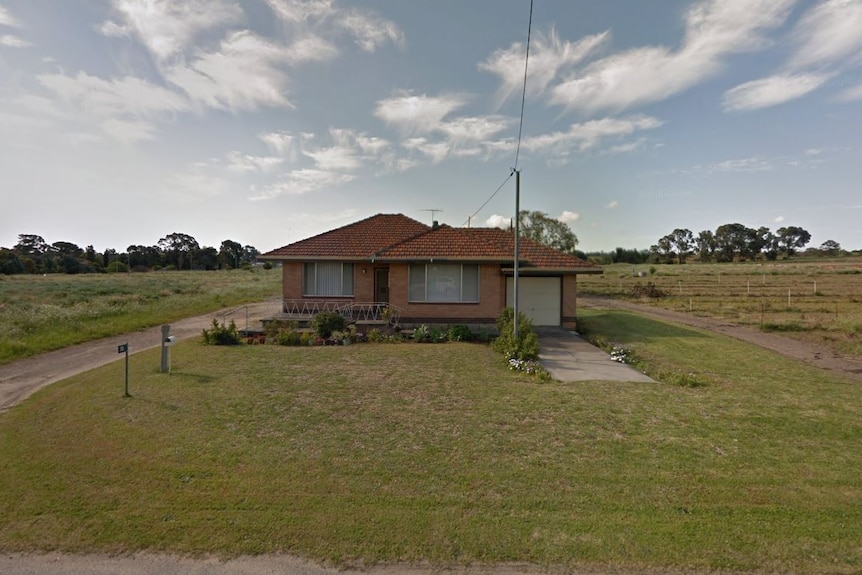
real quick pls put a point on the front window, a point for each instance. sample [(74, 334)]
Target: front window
[(444, 283), (327, 279)]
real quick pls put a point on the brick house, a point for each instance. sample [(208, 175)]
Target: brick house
[(391, 267)]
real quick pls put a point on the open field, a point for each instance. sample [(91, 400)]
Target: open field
[(43, 313), (818, 301), (406, 452)]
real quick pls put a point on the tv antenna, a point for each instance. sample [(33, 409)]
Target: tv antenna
[(433, 212)]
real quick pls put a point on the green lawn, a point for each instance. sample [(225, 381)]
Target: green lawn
[(409, 452), (43, 313)]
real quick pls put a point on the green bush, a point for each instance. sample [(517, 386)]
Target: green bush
[(221, 334), (327, 322), (525, 347), (375, 335), (422, 333), (459, 333)]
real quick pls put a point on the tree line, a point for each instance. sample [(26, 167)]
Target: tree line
[(730, 242), (33, 255)]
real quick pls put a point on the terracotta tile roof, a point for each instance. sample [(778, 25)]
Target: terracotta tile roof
[(395, 237), (358, 240), (482, 245)]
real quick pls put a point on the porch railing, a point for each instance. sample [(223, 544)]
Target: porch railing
[(361, 312)]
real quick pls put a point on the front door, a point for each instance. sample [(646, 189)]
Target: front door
[(381, 285)]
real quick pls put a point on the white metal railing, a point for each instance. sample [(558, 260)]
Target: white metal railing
[(372, 311)]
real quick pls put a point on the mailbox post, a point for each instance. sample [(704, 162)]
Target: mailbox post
[(167, 340)]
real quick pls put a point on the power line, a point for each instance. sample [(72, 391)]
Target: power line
[(500, 187), (520, 123), (524, 93)]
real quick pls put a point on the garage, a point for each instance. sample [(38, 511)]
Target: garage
[(539, 299)]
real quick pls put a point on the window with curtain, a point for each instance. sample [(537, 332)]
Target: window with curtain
[(327, 279), (444, 283)]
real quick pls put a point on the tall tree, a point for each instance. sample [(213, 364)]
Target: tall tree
[(231, 254), (540, 227), (705, 245), (683, 242), (177, 246), (791, 238)]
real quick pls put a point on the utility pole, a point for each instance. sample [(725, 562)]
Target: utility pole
[(517, 249)]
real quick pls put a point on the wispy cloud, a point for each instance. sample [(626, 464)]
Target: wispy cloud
[(826, 42), (244, 163), (412, 114), (12, 41), (568, 217), (6, 19), (715, 29), (323, 17), (168, 27), (243, 74), (300, 182), (549, 56), (612, 204)]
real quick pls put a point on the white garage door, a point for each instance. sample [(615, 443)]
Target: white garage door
[(539, 299)]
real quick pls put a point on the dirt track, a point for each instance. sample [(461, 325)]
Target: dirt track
[(815, 355), (22, 378)]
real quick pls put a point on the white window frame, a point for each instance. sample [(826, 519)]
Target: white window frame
[(424, 281), (311, 268)]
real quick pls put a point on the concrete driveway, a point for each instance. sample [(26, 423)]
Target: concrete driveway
[(569, 357)]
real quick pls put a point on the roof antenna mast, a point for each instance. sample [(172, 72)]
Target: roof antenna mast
[(433, 211)]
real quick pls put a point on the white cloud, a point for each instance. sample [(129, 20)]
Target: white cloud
[(300, 182), (548, 57), (336, 158), (281, 142), (417, 114), (851, 94), (243, 75), (714, 30), (301, 10), (128, 131), (168, 27), (828, 33), (6, 19), (753, 164), (568, 217), (244, 163), (435, 151), (370, 32), (498, 221), (778, 219), (476, 129), (588, 135), (771, 91), (123, 96), (12, 41), (114, 30), (612, 204), (827, 40), (196, 181)]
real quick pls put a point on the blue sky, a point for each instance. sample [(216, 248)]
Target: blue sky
[(268, 121)]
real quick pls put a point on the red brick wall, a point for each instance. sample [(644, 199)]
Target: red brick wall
[(291, 280), (491, 298)]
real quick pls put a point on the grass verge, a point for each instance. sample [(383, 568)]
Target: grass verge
[(383, 453), (43, 313)]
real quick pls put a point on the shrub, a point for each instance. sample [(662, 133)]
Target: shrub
[(525, 347), (221, 334), (267, 265), (375, 335), (326, 322), (649, 290), (459, 333), (422, 333)]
